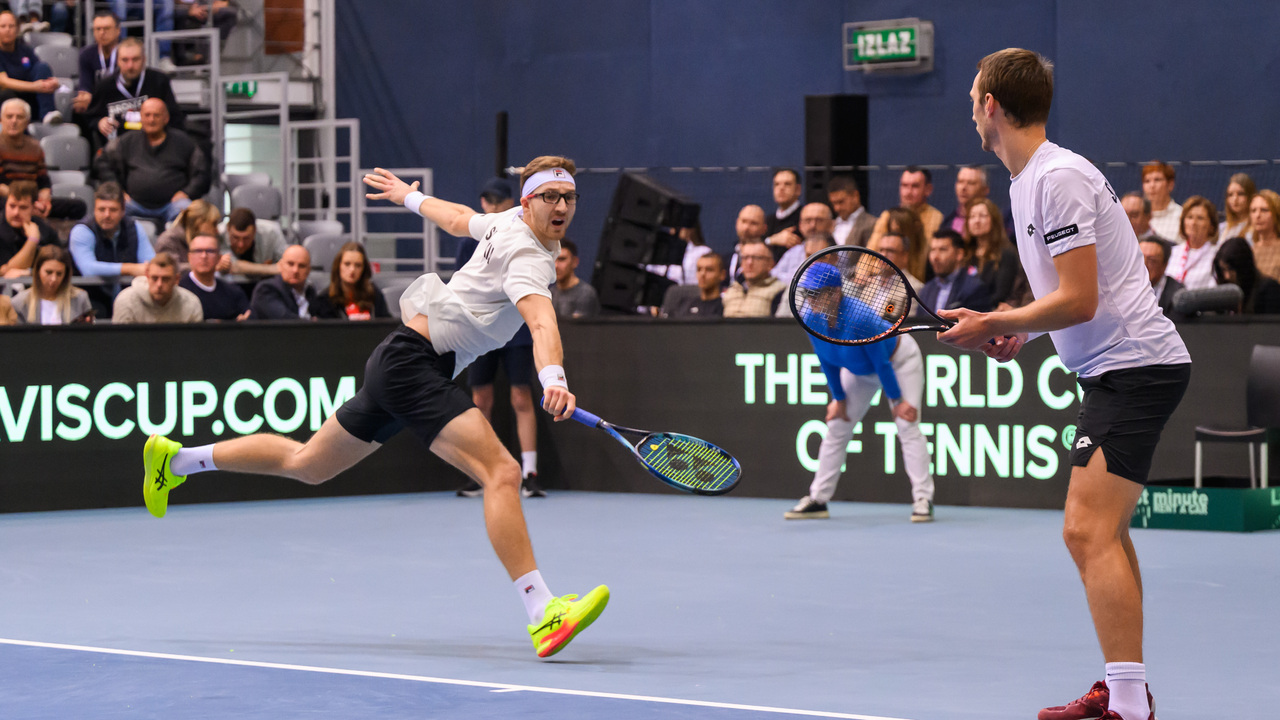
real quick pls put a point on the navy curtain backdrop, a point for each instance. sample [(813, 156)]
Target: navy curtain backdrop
[(721, 82)]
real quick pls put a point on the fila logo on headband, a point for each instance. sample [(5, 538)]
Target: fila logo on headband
[(559, 173)]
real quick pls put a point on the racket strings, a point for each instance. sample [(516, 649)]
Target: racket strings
[(693, 464), (870, 300)]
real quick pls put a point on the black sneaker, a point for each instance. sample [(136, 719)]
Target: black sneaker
[(807, 509), (471, 489), (530, 487)]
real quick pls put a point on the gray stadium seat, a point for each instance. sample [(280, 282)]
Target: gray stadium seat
[(307, 228), (79, 191), (67, 177), (39, 130), (233, 180), (36, 39), (66, 153), (153, 231), (64, 60), (323, 249), (265, 201)]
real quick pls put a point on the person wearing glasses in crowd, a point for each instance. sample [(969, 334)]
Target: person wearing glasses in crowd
[(409, 381), (220, 300), (759, 293)]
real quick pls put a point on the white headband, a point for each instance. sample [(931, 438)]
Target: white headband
[(545, 176)]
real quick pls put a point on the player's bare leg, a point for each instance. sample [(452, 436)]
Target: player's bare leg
[(1098, 510), (469, 444), (482, 396), (526, 422), (330, 451)]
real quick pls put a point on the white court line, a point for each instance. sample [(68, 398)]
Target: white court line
[(498, 687)]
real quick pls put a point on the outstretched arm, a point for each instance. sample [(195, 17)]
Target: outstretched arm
[(450, 217), (548, 354)]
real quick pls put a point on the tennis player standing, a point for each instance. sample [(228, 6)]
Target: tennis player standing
[(1093, 298), (409, 381)]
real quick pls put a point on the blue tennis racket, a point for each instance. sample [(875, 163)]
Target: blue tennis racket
[(683, 462)]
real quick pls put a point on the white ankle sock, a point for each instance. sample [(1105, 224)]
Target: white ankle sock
[(533, 591), (189, 461), (1127, 684), (529, 461)]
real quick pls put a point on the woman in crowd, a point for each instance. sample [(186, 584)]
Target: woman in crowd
[(1192, 261), (906, 224), (993, 254), (51, 299), (1264, 217), (199, 218), (351, 294), (1234, 264), (1240, 192)]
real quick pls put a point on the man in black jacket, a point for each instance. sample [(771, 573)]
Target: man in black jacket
[(954, 284), (152, 163), (286, 296), (117, 100)]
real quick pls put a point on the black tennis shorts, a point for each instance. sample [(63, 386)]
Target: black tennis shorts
[(407, 384), (518, 360), (1124, 412)]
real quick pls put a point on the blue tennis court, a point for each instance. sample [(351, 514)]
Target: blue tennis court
[(394, 606)]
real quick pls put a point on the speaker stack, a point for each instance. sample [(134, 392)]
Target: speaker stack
[(835, 136), (640, 230)]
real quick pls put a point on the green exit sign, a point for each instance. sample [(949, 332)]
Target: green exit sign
[(877, 46), (904, 45)]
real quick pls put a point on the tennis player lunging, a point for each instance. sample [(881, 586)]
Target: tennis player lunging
[(1094, 299), (408, 381)]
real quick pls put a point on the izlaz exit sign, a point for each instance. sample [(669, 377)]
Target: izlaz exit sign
[(904, 45)]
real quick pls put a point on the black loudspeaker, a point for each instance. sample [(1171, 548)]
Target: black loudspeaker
[(623, 287), (836, 132), (638, 231), (638, 245), (643, 201)]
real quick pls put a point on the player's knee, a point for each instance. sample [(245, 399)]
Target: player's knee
[(311, 473), (503, 475), (1082, 540), (521, 399)]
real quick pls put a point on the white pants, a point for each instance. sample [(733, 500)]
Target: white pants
[(908, 366)]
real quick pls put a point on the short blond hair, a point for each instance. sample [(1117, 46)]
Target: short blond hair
[(546, 162)]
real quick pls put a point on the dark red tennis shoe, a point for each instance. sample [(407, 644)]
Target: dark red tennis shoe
[(1093, 706)]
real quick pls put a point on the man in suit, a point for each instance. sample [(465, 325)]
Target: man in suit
[(954, 285), (853, 223), (1155, 255), (286, 296)]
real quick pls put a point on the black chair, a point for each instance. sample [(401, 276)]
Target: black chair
[(1262, 412)]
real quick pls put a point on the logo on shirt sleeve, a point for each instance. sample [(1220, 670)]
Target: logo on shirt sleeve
[(1031, 230), (1063, 232)]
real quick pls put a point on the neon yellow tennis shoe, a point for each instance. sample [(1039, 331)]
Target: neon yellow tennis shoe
[(564, 618), (157, 479)]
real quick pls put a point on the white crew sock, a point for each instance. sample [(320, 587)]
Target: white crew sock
[(529, 463), (189, 461), (1127, 684), (533, 591)]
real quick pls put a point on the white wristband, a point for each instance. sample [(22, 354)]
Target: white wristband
[(552, 376), (413, 201)]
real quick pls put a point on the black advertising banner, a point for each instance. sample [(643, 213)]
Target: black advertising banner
[(76, 405)]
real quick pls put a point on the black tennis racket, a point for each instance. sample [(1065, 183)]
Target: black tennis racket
[(849, 295), (683, 462)]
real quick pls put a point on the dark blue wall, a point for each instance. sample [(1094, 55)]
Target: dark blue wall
[(653, 83)]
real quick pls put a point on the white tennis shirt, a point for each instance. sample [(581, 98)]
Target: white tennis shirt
[(475, 312), (1061, 202)]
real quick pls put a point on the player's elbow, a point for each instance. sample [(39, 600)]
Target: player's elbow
[(1084, 309)]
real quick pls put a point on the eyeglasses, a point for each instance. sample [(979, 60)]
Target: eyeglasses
[(202, 252), (551, 197)]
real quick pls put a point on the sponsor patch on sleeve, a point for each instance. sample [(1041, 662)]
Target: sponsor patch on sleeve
[(1054, 236)]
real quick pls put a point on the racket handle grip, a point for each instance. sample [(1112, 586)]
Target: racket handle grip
[(586, 418)]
